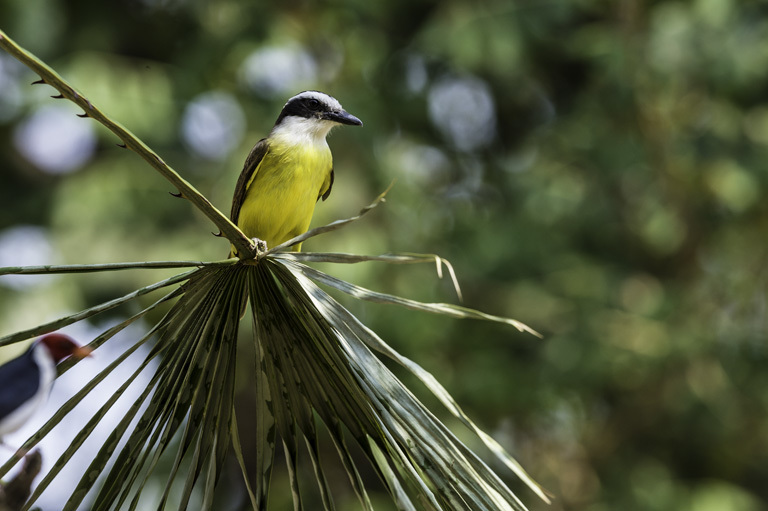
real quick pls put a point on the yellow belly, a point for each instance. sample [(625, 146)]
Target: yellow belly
[(281, 199)]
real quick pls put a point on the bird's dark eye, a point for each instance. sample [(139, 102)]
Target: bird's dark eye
[(313, 104)]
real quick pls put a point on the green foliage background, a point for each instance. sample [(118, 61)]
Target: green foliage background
[(617, 207)]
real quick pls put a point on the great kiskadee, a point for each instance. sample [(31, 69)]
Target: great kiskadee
[(286, 173)]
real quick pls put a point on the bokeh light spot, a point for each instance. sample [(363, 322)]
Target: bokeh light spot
[(464, 111), (11, 98), (213, 124), (25, 245), (55, 140), (277, 70)]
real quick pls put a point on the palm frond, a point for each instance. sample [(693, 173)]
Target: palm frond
[(428, 448), (313, 367), (313, 360)]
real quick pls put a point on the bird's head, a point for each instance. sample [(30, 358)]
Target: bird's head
[(61, 346), (313, 113)]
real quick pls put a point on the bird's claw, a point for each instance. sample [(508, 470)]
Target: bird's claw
[(261, 246)]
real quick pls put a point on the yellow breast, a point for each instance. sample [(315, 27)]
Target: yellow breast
[(281, 197)]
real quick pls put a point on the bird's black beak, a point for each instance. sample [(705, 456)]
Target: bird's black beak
[(343, 117)]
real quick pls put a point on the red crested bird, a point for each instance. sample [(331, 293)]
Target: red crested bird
[(26, 381)]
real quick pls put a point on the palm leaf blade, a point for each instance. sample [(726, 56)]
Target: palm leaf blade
[(87, 313), (445, 309)]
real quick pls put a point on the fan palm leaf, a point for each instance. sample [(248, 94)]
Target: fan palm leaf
[(314, 366)]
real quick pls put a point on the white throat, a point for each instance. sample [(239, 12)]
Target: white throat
[(302, 131)]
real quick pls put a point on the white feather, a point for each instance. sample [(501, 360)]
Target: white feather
[(301, 131)]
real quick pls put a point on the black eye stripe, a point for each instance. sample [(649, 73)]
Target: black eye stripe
[(307, 107)]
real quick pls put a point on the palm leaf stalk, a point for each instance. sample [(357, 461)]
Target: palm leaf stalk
[(129, 141), (313, 367)]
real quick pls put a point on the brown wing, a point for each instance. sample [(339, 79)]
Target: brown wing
[(249, 169), (328, 191)]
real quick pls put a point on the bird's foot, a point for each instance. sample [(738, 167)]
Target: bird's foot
[(261, 246)]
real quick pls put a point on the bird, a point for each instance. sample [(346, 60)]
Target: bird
[(26, 381), (289, 171)]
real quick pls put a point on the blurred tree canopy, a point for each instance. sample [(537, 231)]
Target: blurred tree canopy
[(594, 169)]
